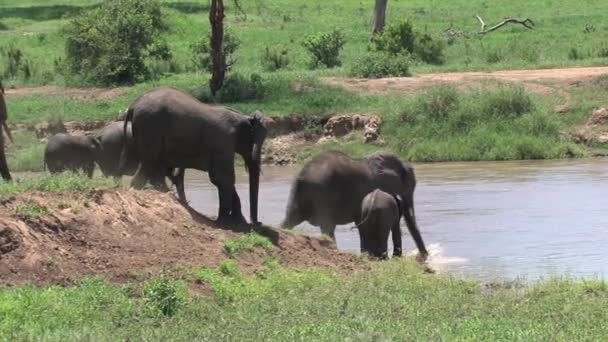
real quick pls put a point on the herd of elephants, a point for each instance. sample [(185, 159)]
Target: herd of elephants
[(166, 131)]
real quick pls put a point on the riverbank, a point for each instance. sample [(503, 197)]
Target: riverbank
[(473, 118), (134, 264)]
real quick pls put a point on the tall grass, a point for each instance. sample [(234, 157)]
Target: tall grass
[(58, 183), (395, 301)]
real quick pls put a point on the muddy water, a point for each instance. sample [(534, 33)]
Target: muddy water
[(494, 220)]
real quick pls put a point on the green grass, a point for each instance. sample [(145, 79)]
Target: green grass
[(31, 209), (33, 27), (394, 301), (57, 183), (26, 153), (246, 243)]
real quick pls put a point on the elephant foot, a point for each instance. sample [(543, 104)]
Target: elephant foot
[(397, 253)]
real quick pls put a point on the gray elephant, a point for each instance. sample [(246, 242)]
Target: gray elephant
[(110, 141), (71, 152), (172, 129), (380, 215), (4, 172), (330, 188)]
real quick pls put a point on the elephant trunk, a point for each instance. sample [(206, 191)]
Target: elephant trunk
[(7, 130), (410, 219), (254, 181)]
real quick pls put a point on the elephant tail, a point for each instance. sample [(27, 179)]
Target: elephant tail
[(125, 143)]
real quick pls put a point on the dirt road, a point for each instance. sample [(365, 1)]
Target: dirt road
[(538, 81)]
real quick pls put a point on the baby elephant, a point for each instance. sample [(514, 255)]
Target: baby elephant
[(380, 214), (71, 152)]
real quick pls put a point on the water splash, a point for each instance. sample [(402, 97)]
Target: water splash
[(436, 257)]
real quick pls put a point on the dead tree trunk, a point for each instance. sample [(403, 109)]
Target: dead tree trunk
[(218, 59), (379, 16)]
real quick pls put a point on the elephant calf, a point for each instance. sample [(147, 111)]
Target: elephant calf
[(380, 214), (71, 152)]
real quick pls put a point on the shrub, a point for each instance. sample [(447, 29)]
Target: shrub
[(236, 88), (108, 44), (494, 56), (438, 102), (575, 54), (325, 48), (378, 64), (397, 38), (273, 59), (506, 101), (429, 50), (163, 295), (201, 52), (401, 38), (17, 64)]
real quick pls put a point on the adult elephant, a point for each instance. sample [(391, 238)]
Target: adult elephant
[(329, 189), (66, 152), (4, 172), (380, 215), (172, 129), (110, 140)]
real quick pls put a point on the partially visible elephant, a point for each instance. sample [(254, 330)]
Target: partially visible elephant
[(110, 140), (71, 152), (172, 129), (330, 188), (380, 215), (4, 172)]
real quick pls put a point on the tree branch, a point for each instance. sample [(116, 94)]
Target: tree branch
[(527, 23)]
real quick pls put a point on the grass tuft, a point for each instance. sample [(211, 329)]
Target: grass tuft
[(246, 243)]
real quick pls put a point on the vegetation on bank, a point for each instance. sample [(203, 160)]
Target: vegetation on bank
[(64, 182), (395, 301)]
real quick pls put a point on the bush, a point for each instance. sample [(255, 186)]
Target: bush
[(325, 48), (438, 102), (575, 54), (401, 39), (17, 64), (163, 295), (378, 64), (236, 88), (108, 44), (506, 101), (273, 59), (201, 52)]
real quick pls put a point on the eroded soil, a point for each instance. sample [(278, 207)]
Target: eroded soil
[(124, 235)]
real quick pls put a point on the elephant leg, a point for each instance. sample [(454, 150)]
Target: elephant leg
[(221, 174), (6, 175), (178, 180), (329, 230), (89, 170), (140, 179), (396, 234), (236, 213)]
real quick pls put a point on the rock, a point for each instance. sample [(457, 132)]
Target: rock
[(598, 117), (341, 125)]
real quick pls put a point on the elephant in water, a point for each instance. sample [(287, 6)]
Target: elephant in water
[(380, 214), (110, 140), (330, 188), (4, 172), (172, 129), (71, 152)]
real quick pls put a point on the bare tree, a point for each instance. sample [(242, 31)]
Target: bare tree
[(218, 58), (379, 16)]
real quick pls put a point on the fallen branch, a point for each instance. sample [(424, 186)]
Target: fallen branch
[(527, 23)]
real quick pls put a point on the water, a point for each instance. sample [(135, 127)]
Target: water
[(488, 220)]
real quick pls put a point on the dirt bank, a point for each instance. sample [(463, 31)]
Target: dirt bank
[(540, 81), (123, 235)]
